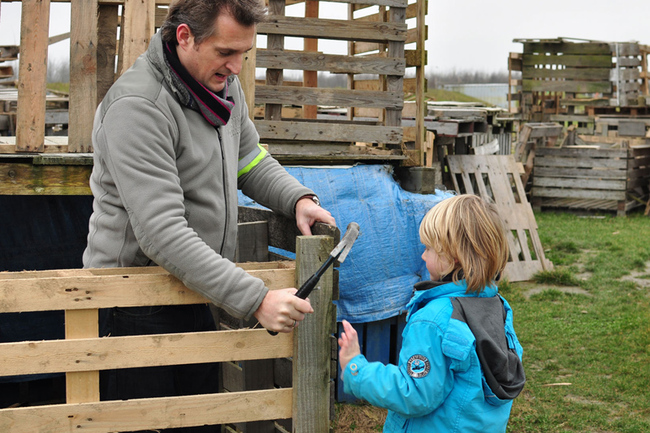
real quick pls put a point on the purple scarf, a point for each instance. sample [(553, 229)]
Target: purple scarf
[(214, 108)]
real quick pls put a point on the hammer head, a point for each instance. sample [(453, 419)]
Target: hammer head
[(341, 251)]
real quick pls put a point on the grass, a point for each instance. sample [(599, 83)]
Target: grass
[(585, 329)]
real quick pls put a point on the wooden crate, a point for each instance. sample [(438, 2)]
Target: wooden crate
[(591, 177), (304, 399)]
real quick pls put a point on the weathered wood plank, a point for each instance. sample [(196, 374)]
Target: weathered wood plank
[(32, 72), (592, 183), (89, 354), (28, 179), (87, 292), (333, 29), (329, 62), (559, 161), (303, 131), (582, 152), (312, 344), (594, 61), (136, 31), (578, 193), (573, 86), (83, 74), (324, 96), (106, 48), (602, 74), (567, 48), (586, 173), (151, 413)]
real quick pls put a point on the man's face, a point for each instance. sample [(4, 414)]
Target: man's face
[(220, 55)]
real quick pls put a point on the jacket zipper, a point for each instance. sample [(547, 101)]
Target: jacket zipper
[(225, 191)]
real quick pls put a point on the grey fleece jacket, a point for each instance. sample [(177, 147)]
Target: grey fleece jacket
[(165, 185)]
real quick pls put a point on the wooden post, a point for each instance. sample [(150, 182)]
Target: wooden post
[(420, 85), (107, 21), (395, 83), (310, 78), (274, 77), (30, 113), (312, 346), (83, 74), (138, 18), (82, 387), (247, 79)]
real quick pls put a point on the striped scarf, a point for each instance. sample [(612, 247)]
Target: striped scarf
[(214, 108)]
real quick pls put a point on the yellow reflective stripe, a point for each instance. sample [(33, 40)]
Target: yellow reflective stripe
[(254, 157)]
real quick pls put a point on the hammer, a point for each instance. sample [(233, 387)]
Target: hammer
[(339, 252)]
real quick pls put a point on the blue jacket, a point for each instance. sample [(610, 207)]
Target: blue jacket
[(439, 384)]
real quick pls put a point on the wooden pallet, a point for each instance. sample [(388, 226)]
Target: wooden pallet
[(497, 178), (608, 179)]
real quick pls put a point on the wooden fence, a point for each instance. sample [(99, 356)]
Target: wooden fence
[(108, 35), (82, 354)]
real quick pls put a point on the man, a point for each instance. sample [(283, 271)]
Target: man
[(172, 144)]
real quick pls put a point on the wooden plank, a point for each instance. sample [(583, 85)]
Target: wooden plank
[(328, 62), (584, 173), (333, 29), (559, 161), (151, 413), (583, 152), (310, 131), (83, 74), (32, 73), (252, 242), (325, 96), (593, 61), (395, 83), (573, 86), (590, 48), (310, 77), (274, 77), (80, 386), (85, 354), (19, 178), (592, 183), (106, 48), (127, 290), (600, 74), (136, 31), (578, 193), (312, 345)]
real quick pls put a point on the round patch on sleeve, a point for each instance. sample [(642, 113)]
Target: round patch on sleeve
[(418, 366)]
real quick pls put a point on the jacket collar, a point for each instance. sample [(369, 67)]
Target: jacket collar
[(427, 291)]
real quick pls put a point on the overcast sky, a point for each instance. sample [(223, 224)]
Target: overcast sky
[(463, 34)]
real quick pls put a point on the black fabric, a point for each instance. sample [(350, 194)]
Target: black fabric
[(502, 368), (214, 108)]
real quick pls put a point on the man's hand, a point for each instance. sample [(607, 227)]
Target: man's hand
[(308, 212), (281, 310), (349, 343)]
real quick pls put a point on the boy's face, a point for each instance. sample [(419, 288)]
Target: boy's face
[(437, 265)]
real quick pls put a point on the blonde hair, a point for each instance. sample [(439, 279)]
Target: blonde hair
[(467, 230)]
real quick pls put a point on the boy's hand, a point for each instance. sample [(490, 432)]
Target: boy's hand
[(349, 343)]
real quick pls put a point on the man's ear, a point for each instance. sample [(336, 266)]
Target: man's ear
[(184, 36)]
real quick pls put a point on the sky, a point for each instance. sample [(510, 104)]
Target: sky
[(464, 35)]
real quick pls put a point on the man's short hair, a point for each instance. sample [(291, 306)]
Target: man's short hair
[(200, 15)]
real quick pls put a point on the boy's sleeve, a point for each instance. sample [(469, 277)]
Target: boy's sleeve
[(416, 387)]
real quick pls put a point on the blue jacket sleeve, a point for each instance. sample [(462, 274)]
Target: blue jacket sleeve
[(417, 386)]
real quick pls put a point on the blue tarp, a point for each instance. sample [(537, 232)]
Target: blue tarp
[(376, 279)]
